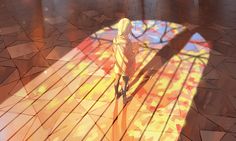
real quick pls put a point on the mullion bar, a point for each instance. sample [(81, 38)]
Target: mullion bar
[(186, 78), (154, 112)]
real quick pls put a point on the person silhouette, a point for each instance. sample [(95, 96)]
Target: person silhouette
[(124, 56)]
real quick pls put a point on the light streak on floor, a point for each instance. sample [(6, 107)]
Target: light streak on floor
[(75, 100)]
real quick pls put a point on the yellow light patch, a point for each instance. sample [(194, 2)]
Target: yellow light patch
[(41, 90)]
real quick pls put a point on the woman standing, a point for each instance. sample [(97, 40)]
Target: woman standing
[(124, 55)]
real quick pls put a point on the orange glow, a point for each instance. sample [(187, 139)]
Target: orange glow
[(77, 101)]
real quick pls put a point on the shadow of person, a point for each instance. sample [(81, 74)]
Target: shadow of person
[(119, 128), (173, 47), (115, 127), (212, 104)]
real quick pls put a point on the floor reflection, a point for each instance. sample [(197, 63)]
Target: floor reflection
[(75, 99)]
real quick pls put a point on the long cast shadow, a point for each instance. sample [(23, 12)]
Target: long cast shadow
[(211, 102), (173, 47)]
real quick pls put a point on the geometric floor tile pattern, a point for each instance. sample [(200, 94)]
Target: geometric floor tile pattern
[(56, 71), (74, 100)]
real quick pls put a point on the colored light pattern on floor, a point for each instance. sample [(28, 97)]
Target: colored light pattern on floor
[(75, 100)]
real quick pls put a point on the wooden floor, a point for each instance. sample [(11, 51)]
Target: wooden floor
[(56, 75), (75, 100)]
